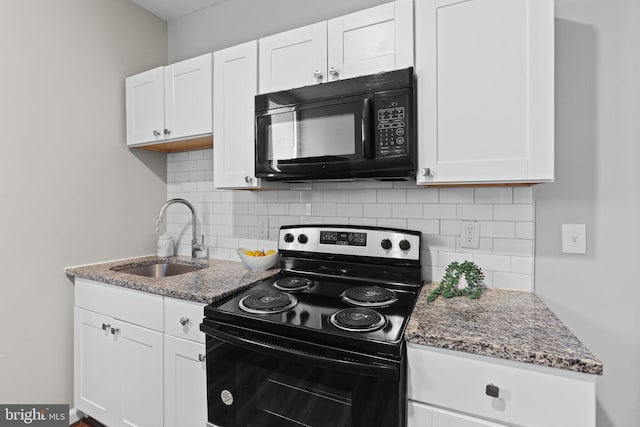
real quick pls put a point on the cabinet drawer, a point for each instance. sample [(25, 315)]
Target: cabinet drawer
[(139, 308), (529, 395), (183, 318)]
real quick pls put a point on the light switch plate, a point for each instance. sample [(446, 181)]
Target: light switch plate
[(574, 238)]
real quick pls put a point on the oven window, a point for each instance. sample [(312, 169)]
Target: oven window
[(316, 132)]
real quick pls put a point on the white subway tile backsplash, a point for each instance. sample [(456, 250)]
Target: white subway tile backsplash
[(513, 212), (362, 196), (422, 195), (475, 212), (497, 229), (494, 195), (439, 211), (392, 223), (324, 209), (349, 209), (392, 196), (374, 210), (228, 218), (522, 265), (513, 281), (522, 247), (523, 195), (336, 196), (426, 226), (524, 230), (399, 210), (456, 195)]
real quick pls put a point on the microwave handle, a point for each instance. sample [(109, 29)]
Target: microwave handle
[(367, 137)]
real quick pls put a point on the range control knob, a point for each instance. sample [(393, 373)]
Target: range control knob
[(386, 244), (288, 238), (405, 245), (303, 239)]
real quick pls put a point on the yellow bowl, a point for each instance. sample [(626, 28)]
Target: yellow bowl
[(258, 263)]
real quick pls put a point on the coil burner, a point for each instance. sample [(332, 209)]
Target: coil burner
[(358, 319), (267, 302), (293, 283)]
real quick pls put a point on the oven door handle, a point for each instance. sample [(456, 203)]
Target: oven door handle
[(374, 369)]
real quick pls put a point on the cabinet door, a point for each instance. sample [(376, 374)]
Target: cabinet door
[(137, 368), (185, 392), (370, 41), (145, 106), (420, 415), (235, 85), (188, 97), (485, 76), (94, 386), (294, 58)]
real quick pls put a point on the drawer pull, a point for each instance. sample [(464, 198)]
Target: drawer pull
[(105, 326), (201, 357), (184, 321), (492, 390)]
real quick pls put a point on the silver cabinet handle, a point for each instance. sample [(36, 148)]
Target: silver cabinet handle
[(201, 357), (167, 131), (333, 71), (425, 171), (156, 133), (248, 179), (115, 331), (317, 74), (184, 321), (105, 326)]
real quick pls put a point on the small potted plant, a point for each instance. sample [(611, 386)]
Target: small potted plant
[(459, 279)]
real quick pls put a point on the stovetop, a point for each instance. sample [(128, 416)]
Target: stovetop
[(309, 319)]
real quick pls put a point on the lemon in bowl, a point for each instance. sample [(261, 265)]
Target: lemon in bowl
[(258, 260)]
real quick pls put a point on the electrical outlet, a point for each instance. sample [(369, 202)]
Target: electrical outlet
[(470, 234), (263, 227)]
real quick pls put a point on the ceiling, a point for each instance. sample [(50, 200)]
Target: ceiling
[(172, 9)]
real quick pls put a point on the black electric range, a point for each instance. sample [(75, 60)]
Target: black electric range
[(340, 303)]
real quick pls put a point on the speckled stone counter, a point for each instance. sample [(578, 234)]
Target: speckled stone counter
[(218, 279), (507, 324)]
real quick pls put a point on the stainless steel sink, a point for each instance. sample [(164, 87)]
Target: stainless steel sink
[(160, 269)]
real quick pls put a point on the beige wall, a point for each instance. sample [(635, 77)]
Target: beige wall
[(71, 192)]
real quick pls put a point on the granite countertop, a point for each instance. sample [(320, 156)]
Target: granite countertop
[(219, 279), (510, 325)]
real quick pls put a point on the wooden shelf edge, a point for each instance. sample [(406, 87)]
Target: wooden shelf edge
[(197, 143)]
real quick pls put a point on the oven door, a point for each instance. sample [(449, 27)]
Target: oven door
[(322, 139), (269, 381)]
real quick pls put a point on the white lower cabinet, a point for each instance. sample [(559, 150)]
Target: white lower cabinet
[(118, 371), (127, 370), (421, 415), (454, 389), (185, 380)]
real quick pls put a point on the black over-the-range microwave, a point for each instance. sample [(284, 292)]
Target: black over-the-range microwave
[(361, 127)]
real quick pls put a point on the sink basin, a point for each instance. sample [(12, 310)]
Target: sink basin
[(160, 269)]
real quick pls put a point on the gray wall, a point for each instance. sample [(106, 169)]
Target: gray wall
[(597, 137), (71, 190)]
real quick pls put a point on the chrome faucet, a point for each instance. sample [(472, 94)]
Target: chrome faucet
[(195, 246)]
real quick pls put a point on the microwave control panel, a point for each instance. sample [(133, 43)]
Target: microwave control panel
[(393, 125)]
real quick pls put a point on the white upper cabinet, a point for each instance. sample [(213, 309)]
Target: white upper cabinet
[(169, 103), (361, 43), (372, 40), (235, 79), (485, 90), (145, 106), (188, 97), (294, 58)]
